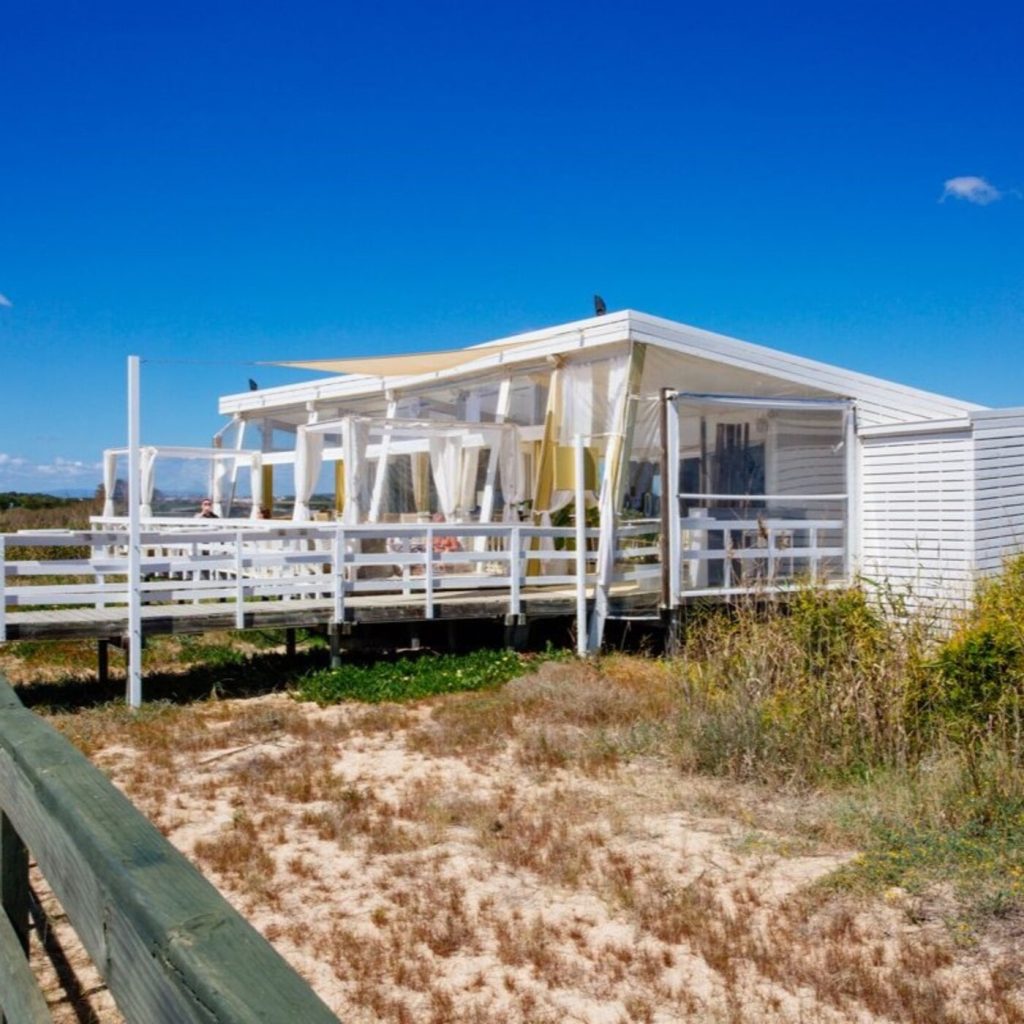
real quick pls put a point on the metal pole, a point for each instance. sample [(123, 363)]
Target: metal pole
[(581, 549), (665, 552), (670, 497), (134, 694)]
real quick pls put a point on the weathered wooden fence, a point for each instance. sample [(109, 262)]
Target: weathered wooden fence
[(168, 945)]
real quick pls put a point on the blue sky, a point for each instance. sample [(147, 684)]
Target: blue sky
[(205, 184)]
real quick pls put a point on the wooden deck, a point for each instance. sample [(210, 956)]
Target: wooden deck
[(376, 609)]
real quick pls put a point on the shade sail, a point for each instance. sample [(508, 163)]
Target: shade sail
[(410, 364)]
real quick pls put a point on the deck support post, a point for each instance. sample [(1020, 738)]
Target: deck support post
[(581, 548), (289, 643), (516, 632), (334, 634), (103, 661)]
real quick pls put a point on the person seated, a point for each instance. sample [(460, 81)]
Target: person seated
[(206, 510), (444, 542)]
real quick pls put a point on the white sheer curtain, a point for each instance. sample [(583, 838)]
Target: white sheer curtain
[(512, 475), (578, 402), (309, 455), (355, 435), (147, 461), (445, 462), (256, 484), (467, 483), (109, 481)]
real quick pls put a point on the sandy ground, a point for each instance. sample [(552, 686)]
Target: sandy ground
[(411, 874)]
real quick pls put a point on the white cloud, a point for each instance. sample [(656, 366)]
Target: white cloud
[(972, 189), (4, 301), (59, 469)]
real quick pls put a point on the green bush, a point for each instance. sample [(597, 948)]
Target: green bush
[(411, 679)]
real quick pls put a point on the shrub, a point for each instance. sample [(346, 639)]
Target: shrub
[(411, 679)]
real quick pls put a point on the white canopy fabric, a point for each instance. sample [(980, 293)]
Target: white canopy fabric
[(445, 464), (309, 454), (147, 458), (109, 481), (355, 435)]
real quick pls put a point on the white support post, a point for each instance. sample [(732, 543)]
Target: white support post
[(851, 535), (515, 548), (428, 575), (3, 591), (239, 583), (134, 694), (581, 548), (339, 575), (670, 493), (814, 556)]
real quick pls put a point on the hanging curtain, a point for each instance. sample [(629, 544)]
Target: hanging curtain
[(355, 435), (109, 481), (578, 402), (218, 478), (421, 481), (147, 460), (512, 476), (256, 484), (445, 462), (309, 453), (467, 483), (618, 379)]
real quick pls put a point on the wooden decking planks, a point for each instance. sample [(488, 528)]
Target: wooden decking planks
[(100, 623)]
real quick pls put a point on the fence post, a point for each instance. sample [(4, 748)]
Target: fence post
[(581, 549), (514, 565), (428, 576), (239, 583), (339, 575)]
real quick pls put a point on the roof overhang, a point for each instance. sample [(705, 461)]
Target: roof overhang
[(399, 373)]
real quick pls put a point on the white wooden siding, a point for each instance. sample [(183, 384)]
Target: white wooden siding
[(999, 482), (917, 511)]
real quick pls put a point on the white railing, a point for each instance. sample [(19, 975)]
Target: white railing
[(194, 561), (755, 553)]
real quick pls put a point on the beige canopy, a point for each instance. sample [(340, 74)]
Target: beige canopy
[(410, 364)]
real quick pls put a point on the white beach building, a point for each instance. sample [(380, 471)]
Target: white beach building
[(786, 468)]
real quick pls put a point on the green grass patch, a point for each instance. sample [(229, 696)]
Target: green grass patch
[(982, 864), (411, 678)]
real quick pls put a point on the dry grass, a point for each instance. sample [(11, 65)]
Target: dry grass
[(534, 854)]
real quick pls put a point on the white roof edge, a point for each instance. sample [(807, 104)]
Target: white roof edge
[(804, 370), (620, 326), (987, 414), (917, 427)]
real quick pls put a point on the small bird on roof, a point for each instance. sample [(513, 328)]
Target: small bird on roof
[(599, 307), (253, 386)]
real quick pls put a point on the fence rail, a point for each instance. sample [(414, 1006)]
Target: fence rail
[(189, 563), (168, 945)]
